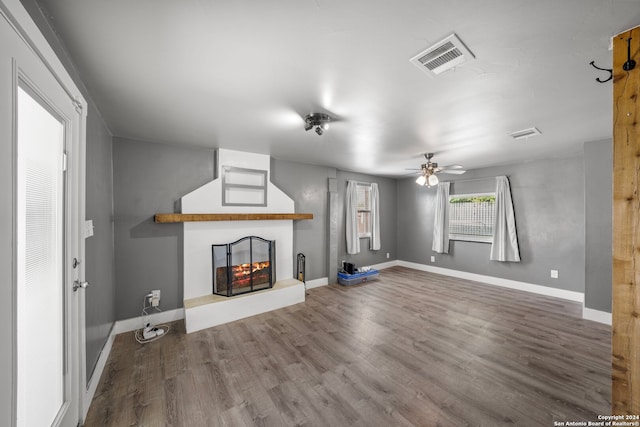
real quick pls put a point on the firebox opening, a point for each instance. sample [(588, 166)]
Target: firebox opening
[(244, 266)]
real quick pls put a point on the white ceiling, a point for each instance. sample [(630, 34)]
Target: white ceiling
[(241, 74)]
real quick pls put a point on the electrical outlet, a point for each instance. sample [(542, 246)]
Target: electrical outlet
[(554, 274), (155, 298), (433, 259), (387, 255)]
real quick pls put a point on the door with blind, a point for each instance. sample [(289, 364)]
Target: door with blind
[(43, 340), (45, 141)]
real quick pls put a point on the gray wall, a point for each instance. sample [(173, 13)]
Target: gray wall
[(548, 198), (307, 186), (99, 254), (99, 267), (387, 188), (598, 181), (151, 178)]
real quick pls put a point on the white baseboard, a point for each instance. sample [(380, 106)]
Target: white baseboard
[(498, 281), (92, 384), (384, 265), (596, 315), (129, 325), (316, 283)]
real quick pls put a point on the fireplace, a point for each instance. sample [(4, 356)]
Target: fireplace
[(244, 266), (205, 300)]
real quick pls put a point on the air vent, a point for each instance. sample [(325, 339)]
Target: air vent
[(442, 56), (525, 133)]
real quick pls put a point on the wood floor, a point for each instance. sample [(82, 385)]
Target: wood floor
[(411, 349)]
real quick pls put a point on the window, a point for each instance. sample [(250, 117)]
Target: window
[(471, 217), (364, 210)]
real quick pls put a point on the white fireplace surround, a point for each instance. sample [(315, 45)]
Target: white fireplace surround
[(199, 236)]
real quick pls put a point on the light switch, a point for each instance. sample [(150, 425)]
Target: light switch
[(88, 228)]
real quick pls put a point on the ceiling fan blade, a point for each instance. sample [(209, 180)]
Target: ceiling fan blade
[(432, 167)]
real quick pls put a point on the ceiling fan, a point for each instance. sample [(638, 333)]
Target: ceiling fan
[(429, 170)]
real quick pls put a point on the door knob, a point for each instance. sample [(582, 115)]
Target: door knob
[(78, 284)]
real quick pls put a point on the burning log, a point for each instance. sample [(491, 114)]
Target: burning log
[(242, 274)]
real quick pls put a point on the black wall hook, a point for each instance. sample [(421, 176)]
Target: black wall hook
[(598, 79), (630, 64)]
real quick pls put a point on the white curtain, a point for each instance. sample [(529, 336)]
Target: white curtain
[(440, 221), (353, 241), (504, 245), (375, 218)]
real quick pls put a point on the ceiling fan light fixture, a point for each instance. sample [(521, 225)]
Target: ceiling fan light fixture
[(428, 171), (427, 179), (317, 121)]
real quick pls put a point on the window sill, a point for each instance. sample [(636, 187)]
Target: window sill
[(474, 239)]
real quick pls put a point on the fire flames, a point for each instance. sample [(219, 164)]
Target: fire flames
[(243, 275), (246, 269)]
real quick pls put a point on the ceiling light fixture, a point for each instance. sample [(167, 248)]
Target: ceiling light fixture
[(429, 170), (319, 121), (428, 177)]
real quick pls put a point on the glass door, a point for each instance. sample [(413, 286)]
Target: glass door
[(41, 247)]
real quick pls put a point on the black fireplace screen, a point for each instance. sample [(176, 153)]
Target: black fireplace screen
[(243, 266)]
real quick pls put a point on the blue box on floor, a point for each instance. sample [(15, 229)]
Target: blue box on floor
[(353, 279)]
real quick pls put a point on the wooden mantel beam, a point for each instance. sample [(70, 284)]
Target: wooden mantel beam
[(177, 217), (625, 390)]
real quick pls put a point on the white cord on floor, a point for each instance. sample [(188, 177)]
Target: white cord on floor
[(140, 337)]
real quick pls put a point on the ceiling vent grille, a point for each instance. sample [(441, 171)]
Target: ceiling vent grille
[(525, 133), (442, 56)]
